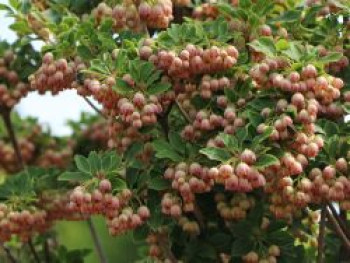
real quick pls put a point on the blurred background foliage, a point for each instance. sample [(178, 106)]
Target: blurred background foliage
[(76, 235)]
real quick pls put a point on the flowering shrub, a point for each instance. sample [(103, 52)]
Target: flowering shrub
[(222, 135)]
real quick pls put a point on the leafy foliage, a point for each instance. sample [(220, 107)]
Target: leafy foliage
[(220, 132)]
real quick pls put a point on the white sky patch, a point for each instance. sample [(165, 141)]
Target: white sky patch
[(54, 111), (51, 111)]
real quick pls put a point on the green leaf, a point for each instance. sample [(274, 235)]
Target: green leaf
[(206, 252), (220, 240), (329, 127), (243, 88), (311, 15), (132, 177), (165, 151), (82, 164), (276, 225), (241, 135), (5, 8), (254, 118), (140, 234), (177, 142), (110, 162), (332, 146), (15, 4), (231, 95), (95, 162), (283, 238), (282, 44), (122, 87), (159, 184), (261, 103), (216, 154), (84, 52), (227, 9), (158, 88), (121, 60), (132, 151), (135, 70), (146, 69), (346, 107), (256, 214), (157, 218), (263, 7), (106, 25), (262, 137), (266, 160), (153, 77), (25, 6), (245, 4), (74, 176), (241, 247), (330, 57), (230, 141), (289, 16), (294, 52), (20, 27), (118, 184), (99, 66), (264, 45)]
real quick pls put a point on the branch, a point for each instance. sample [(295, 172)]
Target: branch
[(33, 251), (165, 246), (179, 12), (321, 235), (163, 120), (6, 115), (94, 107), (199, 216), (340, 221), (338, 229), (47, 251), (184, 113), (9, 255), (97, 242)]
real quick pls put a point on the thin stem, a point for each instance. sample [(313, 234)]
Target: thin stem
[(47, 251), (340, 221), (184, 113), (94, 107), (6, 115), (33, 251), (9, 255), (97, 242), (199, 216), (321, 235), (165, 246), (338, 229), (163, 121)]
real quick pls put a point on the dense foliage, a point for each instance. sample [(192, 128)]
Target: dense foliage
[(222, 135)]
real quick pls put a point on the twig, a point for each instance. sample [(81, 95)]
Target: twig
[(184, 113), (94, 107), (180, 13), (165, 246), (97, 242), (321, 235), (9, 255), (340, 221), (33, 251), (6, 115), (338, 229), (198, 214), (47, 251), (163, 121)]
